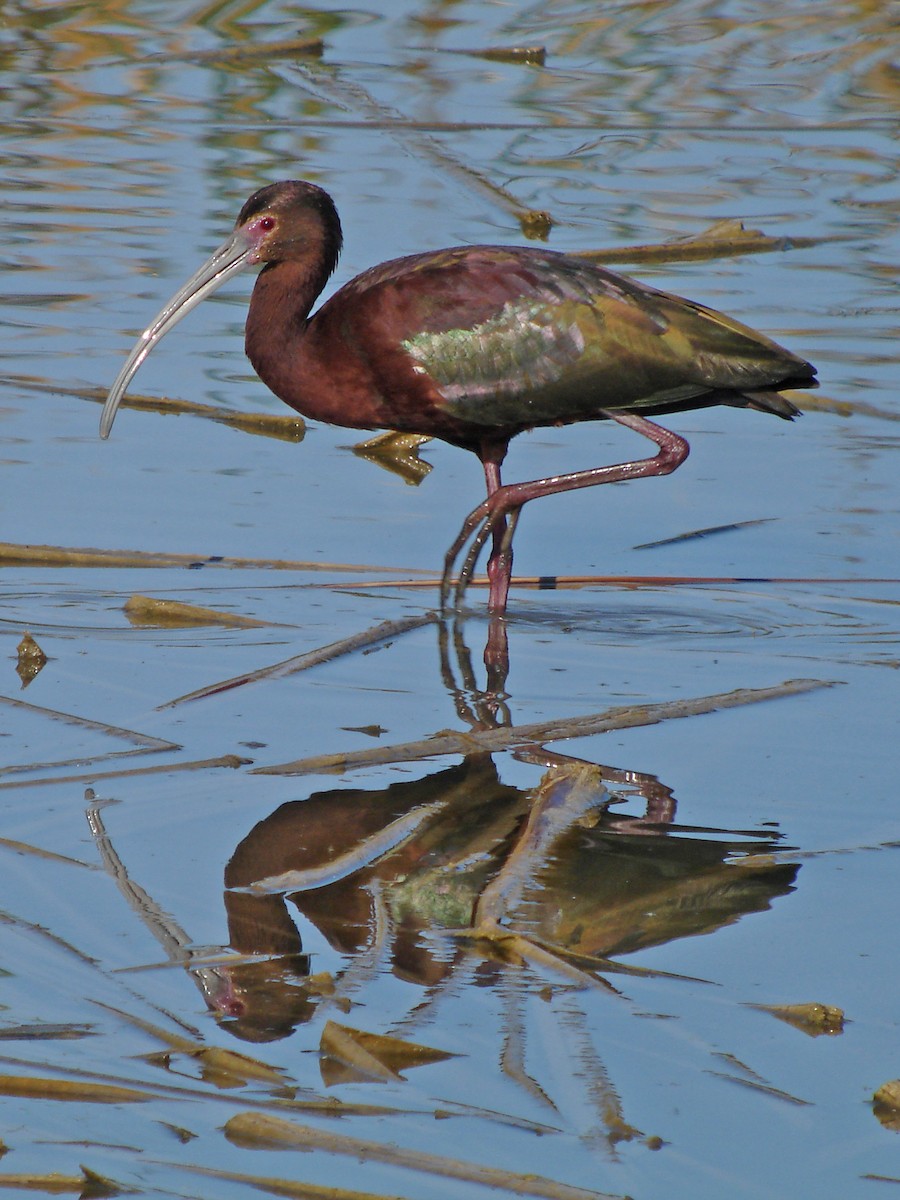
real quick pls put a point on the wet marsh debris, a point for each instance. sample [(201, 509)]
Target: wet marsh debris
[(30, 659), (723, 239), (397, 453), (69, 1090), (287, 1187), (536, 224), (529, 56), (222, 1067), (18, 554), (284, 427), (290, 1187), (813, 1018), (106, 1088), (886, 1105), (348, 1055), (247, 52), (153, 611), (45, 1031), (89, 1185), (259, 1131)]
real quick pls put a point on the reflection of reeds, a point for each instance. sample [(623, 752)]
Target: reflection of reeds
[(312, 658), (287, 428), (510, 737), (144, 743), (199, 764)]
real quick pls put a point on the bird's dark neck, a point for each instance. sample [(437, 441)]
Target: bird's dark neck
[(279, 313)]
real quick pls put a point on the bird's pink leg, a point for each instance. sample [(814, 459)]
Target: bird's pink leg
[(499, 568), (495, 515)]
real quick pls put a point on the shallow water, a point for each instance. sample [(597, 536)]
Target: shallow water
[(769, 825)]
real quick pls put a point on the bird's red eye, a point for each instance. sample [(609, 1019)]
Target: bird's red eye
[(266, 224)]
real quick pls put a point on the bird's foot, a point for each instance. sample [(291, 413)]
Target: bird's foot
[(495, 518)]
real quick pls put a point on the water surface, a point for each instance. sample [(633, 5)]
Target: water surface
[(129, 140)]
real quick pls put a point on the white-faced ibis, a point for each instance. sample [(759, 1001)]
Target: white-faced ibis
[(474, 345)]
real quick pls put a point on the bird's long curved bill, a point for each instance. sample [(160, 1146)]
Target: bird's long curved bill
[(230, 258)]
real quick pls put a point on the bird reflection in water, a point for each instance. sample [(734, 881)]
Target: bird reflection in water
[(604, 886), (415, 877), (459, 879)]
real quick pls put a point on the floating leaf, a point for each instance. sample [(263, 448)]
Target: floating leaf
[(813, 1019), (229, 1068), (536, 224), (223, 1067), (397, 453), (344, 1059), (96, 1186), (184, 1135), (31, 659), (352, 1054), (886, 1105), (147, 610), (320, 984)]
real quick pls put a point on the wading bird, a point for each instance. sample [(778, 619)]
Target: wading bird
[(473, 345)]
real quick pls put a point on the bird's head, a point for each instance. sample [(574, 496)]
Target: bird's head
[(292, 221)]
